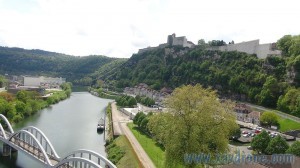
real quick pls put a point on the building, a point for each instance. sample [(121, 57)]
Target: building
[(47, 82), (245, 114), (254, 117), (179, 41), (242, 111), (171, 41), (251, 47)]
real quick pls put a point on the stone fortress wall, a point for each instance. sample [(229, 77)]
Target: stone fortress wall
[(251, 47)]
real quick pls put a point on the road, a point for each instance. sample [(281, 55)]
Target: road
[(120, 121), (281, 114)]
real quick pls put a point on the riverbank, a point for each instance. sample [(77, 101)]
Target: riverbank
[(104, 94), (26, 103), (119, 149)]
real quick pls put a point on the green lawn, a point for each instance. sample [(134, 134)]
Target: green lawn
[(154, 151), (287, 124), (130, 159)]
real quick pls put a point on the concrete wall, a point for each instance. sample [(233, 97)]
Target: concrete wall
[(250, 47), (146, 49), (247, 47), (32, 81), (180, 41), (36, 81), (53, 80), (263, 50)]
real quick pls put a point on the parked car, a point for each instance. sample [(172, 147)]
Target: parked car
[(245, 135), (273, 134), (249, 147), (244, 132), (257, 131)]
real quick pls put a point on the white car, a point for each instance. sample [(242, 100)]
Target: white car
[(245, 135)]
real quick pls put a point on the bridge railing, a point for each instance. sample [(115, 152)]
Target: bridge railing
[(7, 123), (32, 141), (90, 155), (76, 162), (44, 141)]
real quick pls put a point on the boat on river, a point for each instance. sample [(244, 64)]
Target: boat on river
[(101, 125)]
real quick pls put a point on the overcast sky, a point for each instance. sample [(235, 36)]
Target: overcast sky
[(118, 28)]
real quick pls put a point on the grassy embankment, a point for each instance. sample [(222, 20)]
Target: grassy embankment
[(154, 151), (119, 150), (287, 125), (106, 94)]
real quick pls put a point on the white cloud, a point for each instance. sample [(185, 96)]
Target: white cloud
[(119, 28)]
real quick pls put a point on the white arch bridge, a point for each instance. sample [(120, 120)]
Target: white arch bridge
[(33, 142)]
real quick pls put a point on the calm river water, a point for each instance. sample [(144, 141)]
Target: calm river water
[(69, 125)]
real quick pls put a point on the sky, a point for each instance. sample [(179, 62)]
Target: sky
[(118, 28)]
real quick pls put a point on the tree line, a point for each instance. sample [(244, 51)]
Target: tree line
[(26, 103), (78, 70), (264, 144)]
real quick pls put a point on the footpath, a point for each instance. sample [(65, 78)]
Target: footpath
[(120, 127)]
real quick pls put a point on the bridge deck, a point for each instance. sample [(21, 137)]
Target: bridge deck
[(32, 150)]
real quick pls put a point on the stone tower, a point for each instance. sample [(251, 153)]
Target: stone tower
[(170, 39)]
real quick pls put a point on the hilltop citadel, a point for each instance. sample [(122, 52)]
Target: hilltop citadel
[(249, 47)]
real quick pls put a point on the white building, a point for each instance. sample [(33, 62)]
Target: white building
[(42, 81)]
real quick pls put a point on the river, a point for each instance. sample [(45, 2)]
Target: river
[(69, 125)]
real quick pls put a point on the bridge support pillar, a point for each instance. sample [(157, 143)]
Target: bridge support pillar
[(6, 150)]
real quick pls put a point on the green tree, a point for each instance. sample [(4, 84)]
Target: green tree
[(199, 122), (269, 93), (294, 149), (136, 118), (202, 44), (131, 101), (269, 118), (294, 49), (289, 102), (143, 124), (261, 142), (3, 106), (235, 133), (3, 81), (277, 145), (20, 107), (22, 96), (158, 126), (11, 111), (140, 119), (284, 44), (138, 98)]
